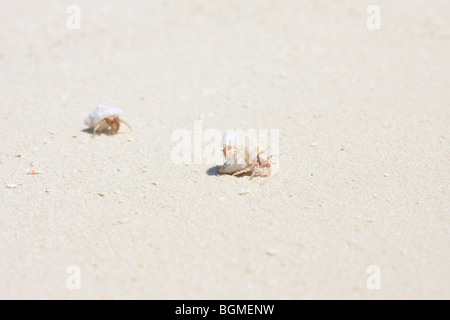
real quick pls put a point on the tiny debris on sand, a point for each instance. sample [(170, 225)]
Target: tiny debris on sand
[(251, 268), (271, 252), (243, 191), (11, 186), (34, 172)]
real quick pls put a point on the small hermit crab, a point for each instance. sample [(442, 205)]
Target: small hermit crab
[(105, 119), (247, 157)]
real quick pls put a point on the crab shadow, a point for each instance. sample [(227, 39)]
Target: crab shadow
[(106, 132), (213, 171), (88, 130)]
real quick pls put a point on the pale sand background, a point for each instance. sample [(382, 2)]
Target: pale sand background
[(373, 191)]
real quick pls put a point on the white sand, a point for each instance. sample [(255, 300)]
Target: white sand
[(364, 118)]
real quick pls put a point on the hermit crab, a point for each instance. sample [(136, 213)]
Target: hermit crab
[(244, 157), (105, 119)]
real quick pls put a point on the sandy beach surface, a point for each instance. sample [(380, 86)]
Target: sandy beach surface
[(359, 210)]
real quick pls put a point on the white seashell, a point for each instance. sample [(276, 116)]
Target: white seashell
[(247, 157), (234, 152), (101, 112)]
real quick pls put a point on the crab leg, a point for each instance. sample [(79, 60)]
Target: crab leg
[(124, 122)]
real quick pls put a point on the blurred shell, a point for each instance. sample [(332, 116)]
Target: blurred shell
[(240, 155), (101, 112)]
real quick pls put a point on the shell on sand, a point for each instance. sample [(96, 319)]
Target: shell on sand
[(101, 112), (240, 155)]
